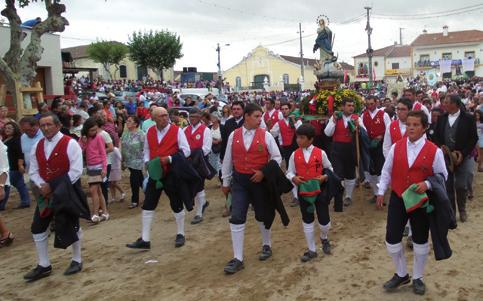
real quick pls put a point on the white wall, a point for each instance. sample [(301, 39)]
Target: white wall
[(51, 58), (379, 69)]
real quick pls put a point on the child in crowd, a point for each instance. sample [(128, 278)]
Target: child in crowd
[(115, 175)]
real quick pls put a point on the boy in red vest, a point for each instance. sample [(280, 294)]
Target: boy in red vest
[(271, 115), (410, 93), (199, 137), (53, 156), (411, 160), (284, 130), (306, 164), (343, 148), (249, 149), (162, 140), (375, 121)]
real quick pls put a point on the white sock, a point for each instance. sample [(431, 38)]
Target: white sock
[(294, 192), (76, 248), (200, 200), (147, 219), (421, 252), (324, 230), (349, 187), (410, 232), (266, 233), (374, 182), (237, 235), (367, 176), (180, 221), (309, 236), (41, 244), (398, 258)]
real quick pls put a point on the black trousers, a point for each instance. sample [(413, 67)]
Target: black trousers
[(397, 217), (376, 160), (344, 160), (286, 152), (153, 194), (321, 208), (105, 185), (245, 192), (136, 181), (41, 224)]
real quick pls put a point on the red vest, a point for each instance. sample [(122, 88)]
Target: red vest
[(168, 146), (417, 106), (274, 118), (395, 131), (58, 162), (309, 170), (195, 139), (341, 133), (286, 132), (374, 126), (257, 155), (404, 176)]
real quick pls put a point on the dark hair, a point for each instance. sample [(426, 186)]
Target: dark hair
[(437, 110), (394, 94), (92, 111), (88, 124), (135, 119), (271, 100), (406, 102), (32, 121), (100, 121), (238, 103), (252, 107), (306, 130), (76, 118), (16, 129), (421, 115), (372, 97), (410, 90), (65, 119), (479, 114), (346, 100), (454, 99), (55, 118), (286, 104)]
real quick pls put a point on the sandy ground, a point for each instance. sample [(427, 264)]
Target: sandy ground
[(356, 270)]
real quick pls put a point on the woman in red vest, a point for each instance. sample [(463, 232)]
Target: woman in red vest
[(343, 150), (410, 161), (162, 140), (307, 164), (249, 149)]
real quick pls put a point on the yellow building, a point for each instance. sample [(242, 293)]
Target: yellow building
[(127, 69), (263, 69)]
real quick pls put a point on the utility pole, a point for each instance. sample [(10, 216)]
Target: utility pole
[(301, 55), (369, 50), (400, 35), (220, 73)]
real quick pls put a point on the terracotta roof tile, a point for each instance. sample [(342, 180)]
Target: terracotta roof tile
[(465, 36)]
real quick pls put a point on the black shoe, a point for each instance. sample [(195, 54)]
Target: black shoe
[(22, 206), (309, 255), (180, 240), (140, 244), (196, 220), (347, 202), (38, 273), (205, 206), (326, 246), (395, 282), (233, 266), (74, 267), (266, 253), (419, 288)]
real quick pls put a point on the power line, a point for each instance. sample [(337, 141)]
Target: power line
[(470, 9), (434, 13)]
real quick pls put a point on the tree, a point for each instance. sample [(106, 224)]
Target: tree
[(108, 53), (156, 50), (18, 66)]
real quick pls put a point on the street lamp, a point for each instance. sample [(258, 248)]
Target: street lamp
[(220, 72)]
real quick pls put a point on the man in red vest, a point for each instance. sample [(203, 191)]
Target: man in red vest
[(397, 128), (410, 93), (163, 141), (53, 156), (271, 116), (375, 121), (343, 150), (411, 160), (284, 130), (249, 149), (199, 137), (306, 168)]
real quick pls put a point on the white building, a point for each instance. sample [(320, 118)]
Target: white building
[(463, 48), (388, 64), (49, 68)]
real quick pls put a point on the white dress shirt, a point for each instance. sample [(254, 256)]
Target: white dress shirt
[(330, 128), (387, 143), (413, 149), (452, 118), (276, 132), (291, 172), (182, 142), (424, 109), (248, 135), (74, 152), (4, 167), (207, 138)]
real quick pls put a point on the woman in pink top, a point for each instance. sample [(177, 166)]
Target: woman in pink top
[(94, 150)]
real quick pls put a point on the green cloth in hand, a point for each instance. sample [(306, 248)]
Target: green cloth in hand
[(155, 171), (308, 191), (413, 200)]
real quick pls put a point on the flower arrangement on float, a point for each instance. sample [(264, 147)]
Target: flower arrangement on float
[(326, 102)]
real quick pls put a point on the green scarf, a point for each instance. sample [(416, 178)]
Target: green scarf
[(308, 191), (45, 206), (413, 200), (155, 171)]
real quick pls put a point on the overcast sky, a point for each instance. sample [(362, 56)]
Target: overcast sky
[(246, 24)]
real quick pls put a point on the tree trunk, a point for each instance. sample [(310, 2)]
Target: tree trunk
[(108, 70), (161, 77)]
